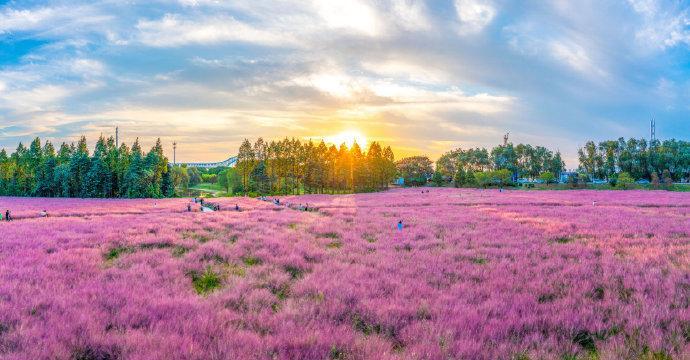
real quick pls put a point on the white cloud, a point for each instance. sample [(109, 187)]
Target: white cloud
[(474, 15), (87, 67), (20, 20), (54, 20), (375, 95), (407, 71), (172, 30), (40, 98), (410, 15), (663, 27), (352, 15), (576, 57)]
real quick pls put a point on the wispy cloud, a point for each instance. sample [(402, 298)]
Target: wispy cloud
[(474, 15)]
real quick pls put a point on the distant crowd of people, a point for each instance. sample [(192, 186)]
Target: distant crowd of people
[(207, 206), (8, 215), (299, 207)]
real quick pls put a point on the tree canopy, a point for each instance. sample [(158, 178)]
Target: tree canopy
[(290, 166), (110, 171), (637, 157), (522, 160)]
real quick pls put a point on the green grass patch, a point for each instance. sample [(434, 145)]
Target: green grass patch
[(334, 245), (585, 339), (479, 260), (179, 251), (206, 282), (328, 235), (545, 298), (155, 245), (281, 292), (562, 240), (294, 271), (202, 238), (117, 251), (251, 260), (337, 353)]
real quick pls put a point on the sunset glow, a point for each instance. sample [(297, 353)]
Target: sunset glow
[(348, 137)]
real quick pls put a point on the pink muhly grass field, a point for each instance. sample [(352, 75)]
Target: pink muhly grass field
[(473, 275)]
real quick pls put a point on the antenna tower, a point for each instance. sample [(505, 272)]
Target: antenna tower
[(174, 153)]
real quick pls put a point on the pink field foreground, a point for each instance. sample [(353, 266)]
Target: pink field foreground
[(473, 275)]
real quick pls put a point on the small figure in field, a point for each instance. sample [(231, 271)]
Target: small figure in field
[(43, 213), (8, 216), (202, 201), (189, 207), (237, 207), (594, 203), (400, 225)]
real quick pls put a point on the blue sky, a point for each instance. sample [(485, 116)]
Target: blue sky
[(422, 76)]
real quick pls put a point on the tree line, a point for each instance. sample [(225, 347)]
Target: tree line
[(290, 166), (638, 158), (70, 171), (504, 163)]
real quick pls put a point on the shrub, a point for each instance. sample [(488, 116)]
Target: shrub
[(625, 180), (437, 179), (548, 177)]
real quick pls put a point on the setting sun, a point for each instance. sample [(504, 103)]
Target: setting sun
[(348, 137)]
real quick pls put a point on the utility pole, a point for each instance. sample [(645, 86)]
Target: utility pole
[(652, 130), (117, 137), (505, 139), (174, 153)]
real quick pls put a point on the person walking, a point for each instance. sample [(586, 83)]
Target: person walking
[(400, 225), (8, 216)]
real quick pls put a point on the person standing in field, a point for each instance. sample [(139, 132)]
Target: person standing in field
[(400, 225), (8, 216)]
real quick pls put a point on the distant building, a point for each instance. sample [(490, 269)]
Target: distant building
[(566, 176)]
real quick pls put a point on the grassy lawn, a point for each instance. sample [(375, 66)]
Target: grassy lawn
[(202, 189), (207, 187)]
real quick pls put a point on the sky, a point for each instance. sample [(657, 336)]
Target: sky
[(421, 76)]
